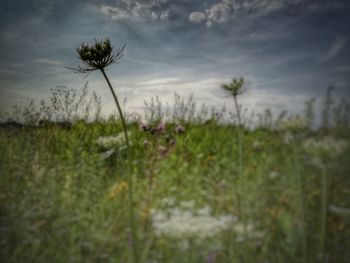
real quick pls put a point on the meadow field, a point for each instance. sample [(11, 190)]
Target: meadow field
[(193, 186)]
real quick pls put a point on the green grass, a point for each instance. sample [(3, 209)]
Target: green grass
[(56, 204)]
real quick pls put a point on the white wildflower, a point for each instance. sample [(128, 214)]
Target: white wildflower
[(105, 155), (326, 145), (241, 228), (246, 230), (274, 174), (205, 211), (169, 201), (288, 138), (181, 223), (110, 141), (256, 145), (187, 204), (158, 216), (225, 219)]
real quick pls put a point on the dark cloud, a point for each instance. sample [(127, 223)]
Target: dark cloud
[(287, 47)]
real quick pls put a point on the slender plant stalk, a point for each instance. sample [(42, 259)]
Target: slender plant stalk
[(135, 245), (238, 111), (236, 88), (130, 181), (98, 57), (240, 174), (324, 213), (118, 106), (240, 137), (301, 203)]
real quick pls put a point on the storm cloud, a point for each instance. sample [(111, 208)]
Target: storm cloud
[(288, 50)]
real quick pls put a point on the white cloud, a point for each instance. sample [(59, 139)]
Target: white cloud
[(220, 12), (225, 10), (137, 9), (115, 13), (337, 46), (161, 81), (46, 61), (197, 17)]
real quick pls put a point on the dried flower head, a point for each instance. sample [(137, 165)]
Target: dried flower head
[(143, 127), (97, 56), (235, 87), (179, 129)]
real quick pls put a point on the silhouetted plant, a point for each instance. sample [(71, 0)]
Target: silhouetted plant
[(97, 57), (69, 105), (327, 105), (64, 105), (235, 88), (310, 112)]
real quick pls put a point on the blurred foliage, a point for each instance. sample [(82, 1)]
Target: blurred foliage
[(64, 199)]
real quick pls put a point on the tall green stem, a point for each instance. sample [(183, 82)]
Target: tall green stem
[(118, 106), (324, 213), (238, 111), (242, 179), (240, 137), (130, 181), (299, 185)]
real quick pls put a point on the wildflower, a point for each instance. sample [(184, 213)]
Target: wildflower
[(235, 88), (169, 201), (294, 124), (274, 175), (98, 57), (288, 138), (117, 188), (187, 204), (181, 223), (105, 155), (205, 211), (179, 129), (143, 127), (256, 145), (248, 230), (145, 142), (160, 128), (326, 145), (162, 149), (110, 141), (172, 142)]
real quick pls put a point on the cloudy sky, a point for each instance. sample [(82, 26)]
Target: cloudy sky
[(287, 50)]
